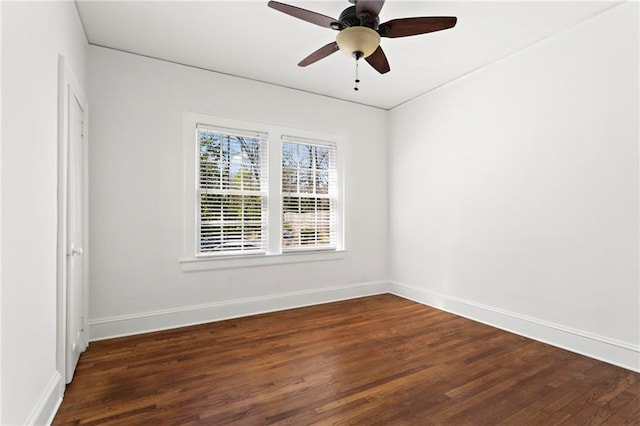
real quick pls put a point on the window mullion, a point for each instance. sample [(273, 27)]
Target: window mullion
[(274, 204)]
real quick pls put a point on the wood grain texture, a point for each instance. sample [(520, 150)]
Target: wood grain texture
[(379, 360)]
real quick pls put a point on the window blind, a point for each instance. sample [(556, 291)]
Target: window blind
[(231, 191), (309, 192)]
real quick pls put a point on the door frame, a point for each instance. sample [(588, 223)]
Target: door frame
[(68, 86)]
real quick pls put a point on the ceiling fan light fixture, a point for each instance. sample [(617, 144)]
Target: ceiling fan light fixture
[(358, 39)]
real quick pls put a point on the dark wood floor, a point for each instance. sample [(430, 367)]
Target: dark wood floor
[(380, 360)]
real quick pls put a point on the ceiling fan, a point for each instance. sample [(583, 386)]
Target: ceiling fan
[(360, 31)]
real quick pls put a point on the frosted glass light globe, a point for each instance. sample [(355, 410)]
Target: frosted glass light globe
[(358, 39)]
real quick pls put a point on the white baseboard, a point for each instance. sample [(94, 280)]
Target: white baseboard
[(602, 348), (106, 328), (615, 352), (46, 409)]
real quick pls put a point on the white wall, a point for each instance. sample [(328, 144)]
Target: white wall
[(526, 201), (33, 34), (514, 191), (136, 177), (1, 118)]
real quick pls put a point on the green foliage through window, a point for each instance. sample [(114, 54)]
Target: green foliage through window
[(308, 195), (232, 187)]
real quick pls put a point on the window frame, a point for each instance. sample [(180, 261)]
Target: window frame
[(205, 189), (330, 196), (190, 260)]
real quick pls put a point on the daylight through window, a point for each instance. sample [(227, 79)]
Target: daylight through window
[(259, 194), (232, 191), (308, 194)]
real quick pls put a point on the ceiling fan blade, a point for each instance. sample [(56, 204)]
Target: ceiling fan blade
[(321, 53), (372, 7), (378, 60), (413, 26), (304, 14)]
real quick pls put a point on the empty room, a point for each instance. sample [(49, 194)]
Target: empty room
[(320, 212)]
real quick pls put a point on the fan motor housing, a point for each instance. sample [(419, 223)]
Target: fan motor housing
[(350, 18)]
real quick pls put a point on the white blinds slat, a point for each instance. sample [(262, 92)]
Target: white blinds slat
[(231, 132)]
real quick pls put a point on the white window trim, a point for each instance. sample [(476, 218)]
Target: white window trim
[(274, 255), (251, 260)]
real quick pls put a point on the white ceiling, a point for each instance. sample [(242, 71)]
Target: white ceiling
[(249, 39)]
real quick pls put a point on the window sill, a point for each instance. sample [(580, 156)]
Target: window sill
[(246, 261)]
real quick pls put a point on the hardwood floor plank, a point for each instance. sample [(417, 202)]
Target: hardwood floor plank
[(379, 360)]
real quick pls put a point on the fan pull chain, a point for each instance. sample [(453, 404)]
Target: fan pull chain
[(357, 79)]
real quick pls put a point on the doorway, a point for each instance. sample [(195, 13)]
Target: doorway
[(72, 277)]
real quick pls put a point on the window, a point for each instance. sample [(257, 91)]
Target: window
[(232, 191), (258, 194), (308, 194)]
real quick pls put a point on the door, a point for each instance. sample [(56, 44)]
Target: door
[(76, 335)]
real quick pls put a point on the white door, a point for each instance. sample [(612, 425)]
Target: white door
[(76, 338)]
